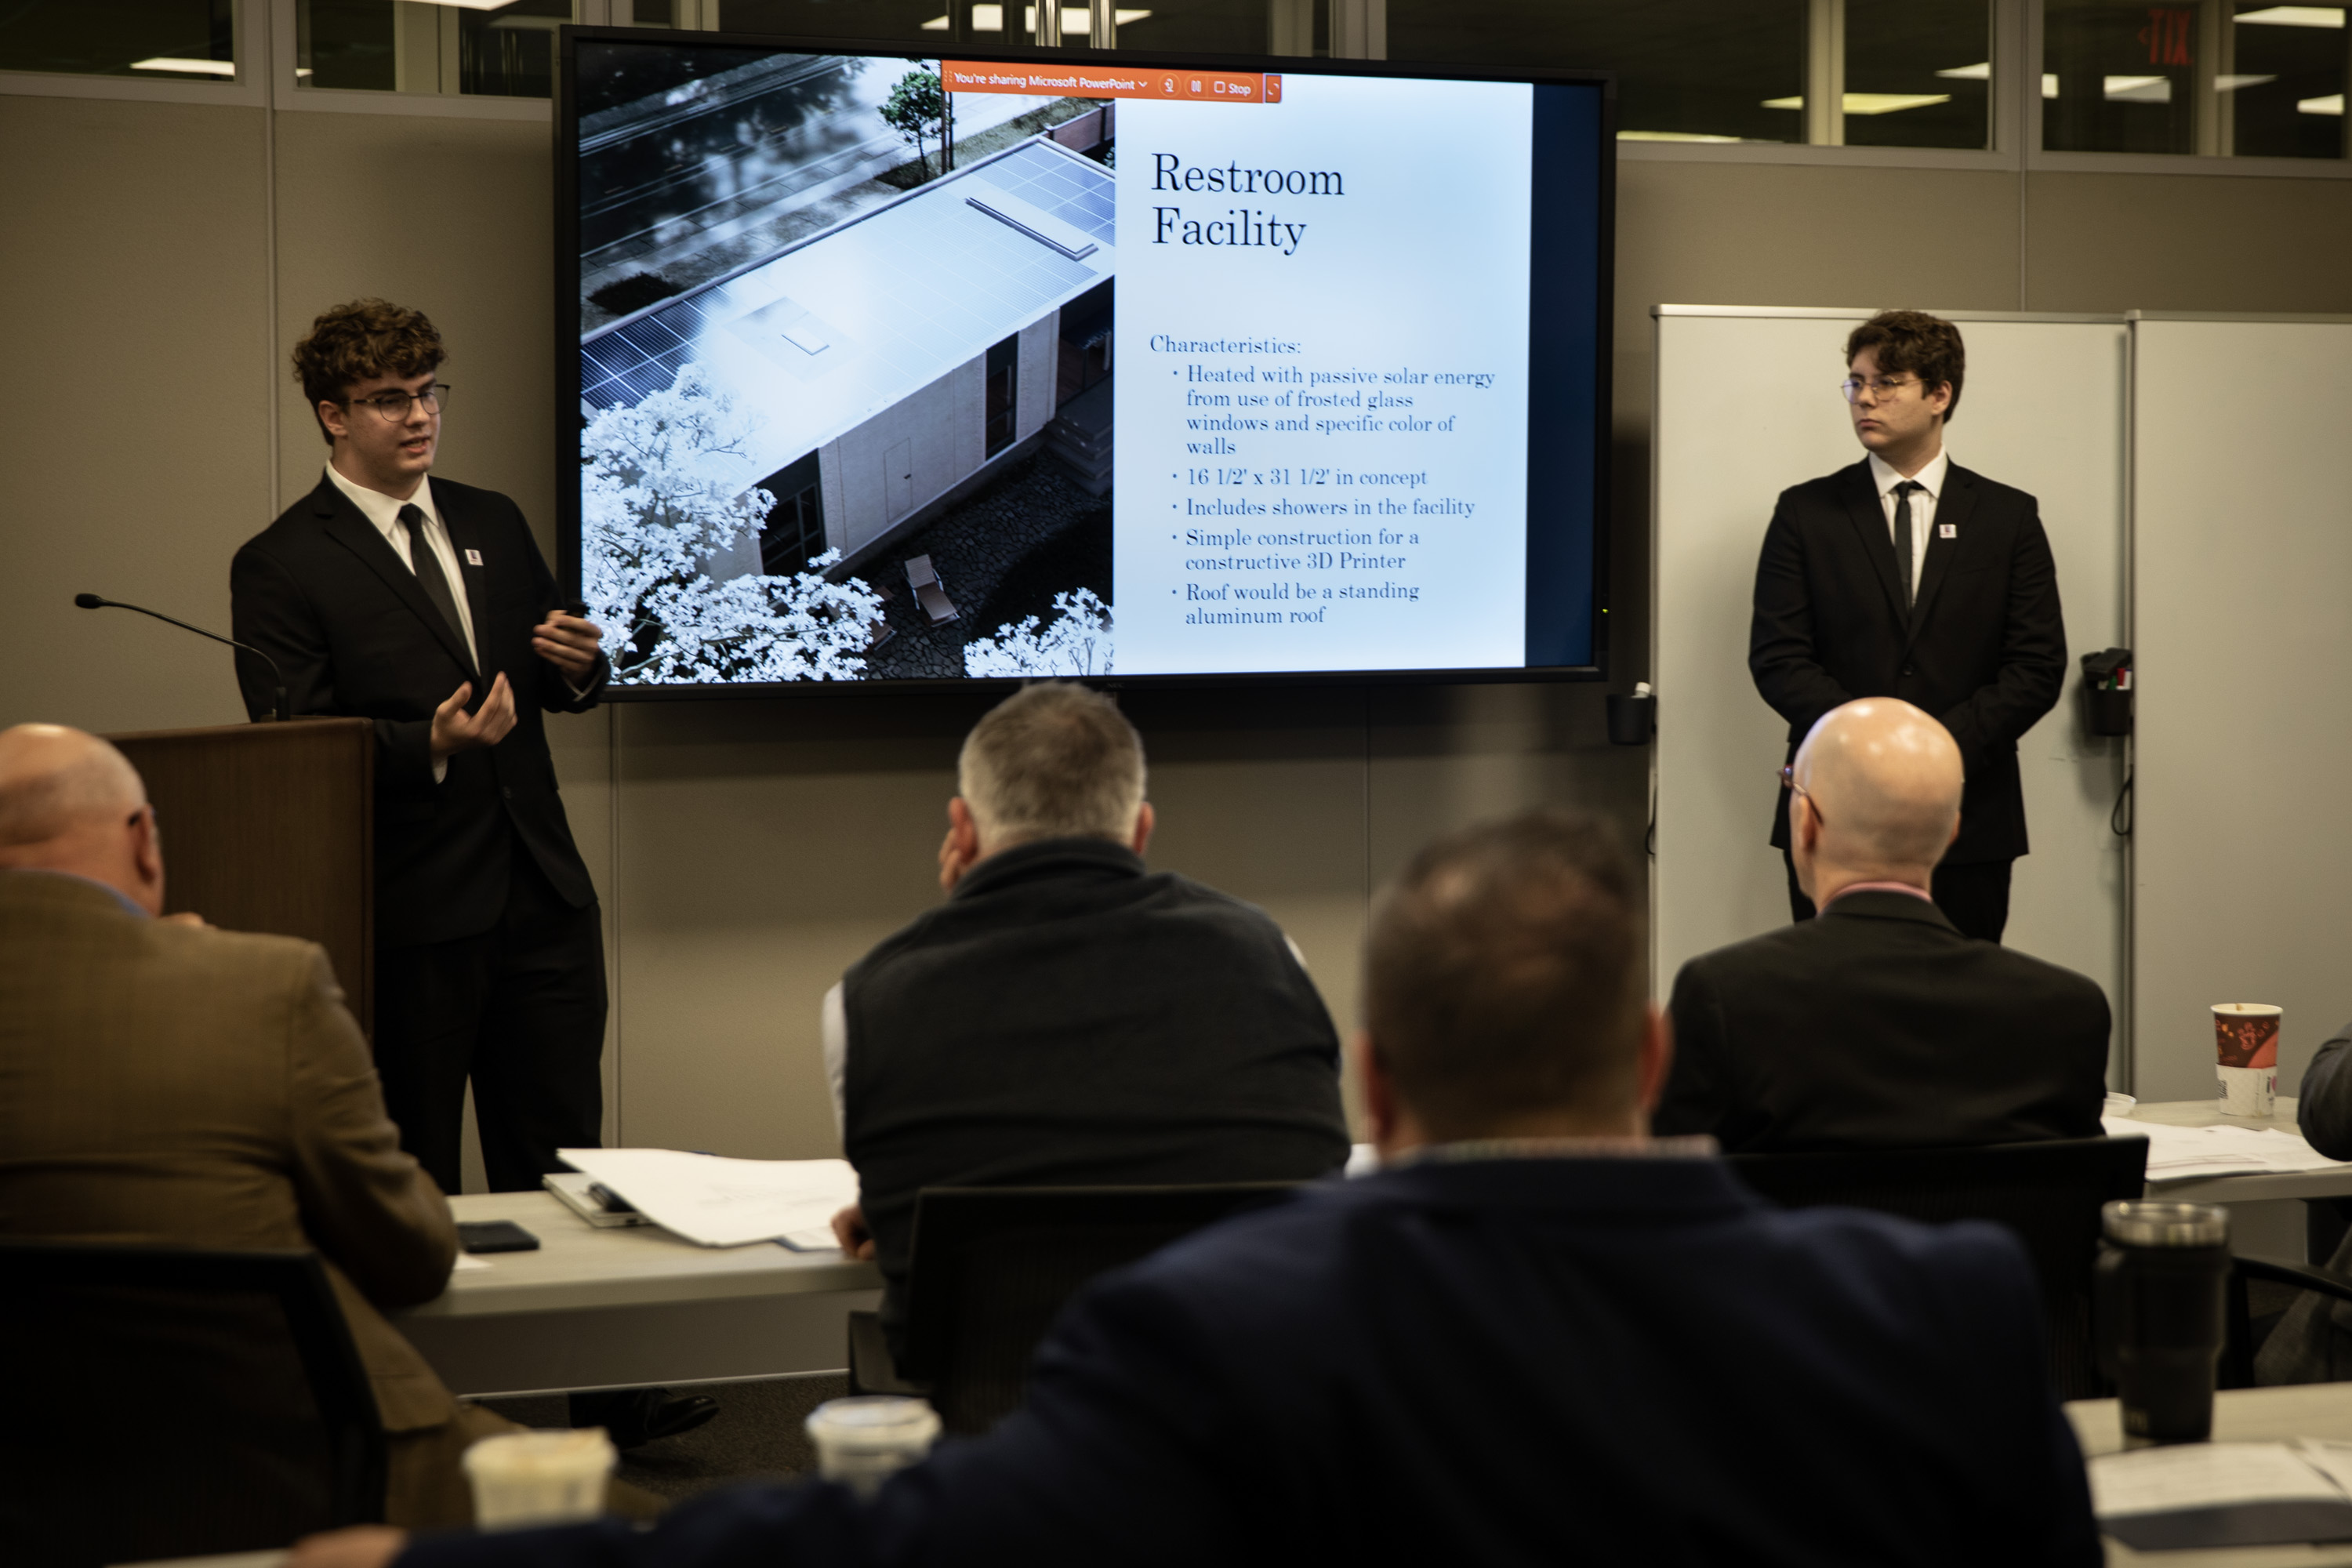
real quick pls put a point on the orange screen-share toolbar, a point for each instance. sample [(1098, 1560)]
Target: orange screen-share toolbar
[(1100, 82)]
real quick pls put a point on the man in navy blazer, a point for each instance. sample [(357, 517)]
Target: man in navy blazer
[(1907, 575), (1537, 1335)]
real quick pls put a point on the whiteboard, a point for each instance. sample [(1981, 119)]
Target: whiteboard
[(1746, 404), (2243, 547)]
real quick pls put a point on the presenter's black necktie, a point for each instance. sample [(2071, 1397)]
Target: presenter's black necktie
[(427, 565), (1903, 553)]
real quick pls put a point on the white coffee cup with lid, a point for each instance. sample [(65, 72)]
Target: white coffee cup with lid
[(525, 1478), (864, 1440)]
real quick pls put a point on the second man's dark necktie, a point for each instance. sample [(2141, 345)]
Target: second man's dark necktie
[(429, 576), (1903, 556)]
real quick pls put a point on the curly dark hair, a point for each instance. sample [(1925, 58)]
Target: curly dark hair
[(1927, 346), (356, 342)]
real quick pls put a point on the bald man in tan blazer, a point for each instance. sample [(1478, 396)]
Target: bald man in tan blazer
[(167, 1083)]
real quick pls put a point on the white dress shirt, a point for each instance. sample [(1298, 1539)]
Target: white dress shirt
[(1923, 506), (384, 511)]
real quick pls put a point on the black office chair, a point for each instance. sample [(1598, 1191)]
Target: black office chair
[(990, 1267), (2048, 1194), (2237, 1370), (176, 1403)]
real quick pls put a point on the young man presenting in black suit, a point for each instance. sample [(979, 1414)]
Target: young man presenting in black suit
[(424, 605), (393, 597), (1907, 575)]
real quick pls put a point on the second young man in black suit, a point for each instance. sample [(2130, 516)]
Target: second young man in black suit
[(1878, 1025), (1907, 575)]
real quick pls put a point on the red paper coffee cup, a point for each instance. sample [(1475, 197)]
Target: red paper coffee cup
[(2245, 1034)]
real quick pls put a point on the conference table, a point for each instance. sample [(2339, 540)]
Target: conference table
[(637, 1307), (2246, 1189), (631, 1308), (2318, 1410)]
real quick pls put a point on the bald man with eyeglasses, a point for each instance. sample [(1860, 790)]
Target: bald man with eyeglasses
[(1907, 575)]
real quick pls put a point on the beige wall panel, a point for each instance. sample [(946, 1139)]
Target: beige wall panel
[(1445, 757), (2186, 242), (136, 266), (451, 217), (1772, 234), (580, 745), (763, 848)]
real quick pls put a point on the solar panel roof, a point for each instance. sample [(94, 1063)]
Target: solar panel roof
[(819, 338)]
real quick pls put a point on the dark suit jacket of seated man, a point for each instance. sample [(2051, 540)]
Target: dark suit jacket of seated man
[(1879, 1025), (1537, 1337), (2313, 1342), (1068, 1016)]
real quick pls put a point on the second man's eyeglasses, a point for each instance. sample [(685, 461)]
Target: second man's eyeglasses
[(392, 407)]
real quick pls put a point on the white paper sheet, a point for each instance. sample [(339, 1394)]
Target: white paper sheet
[(2333, 1460), (2178, 1154), (716, 1201), (2204, 1475)]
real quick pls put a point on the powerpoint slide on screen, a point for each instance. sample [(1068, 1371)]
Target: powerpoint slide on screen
[(916, 370)]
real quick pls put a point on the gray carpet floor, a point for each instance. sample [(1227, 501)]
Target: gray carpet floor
[(757, 1434)]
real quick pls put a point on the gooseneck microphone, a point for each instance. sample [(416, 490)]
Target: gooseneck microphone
[(92, 601)]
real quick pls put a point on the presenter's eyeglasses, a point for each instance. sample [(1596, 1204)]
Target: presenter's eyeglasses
[(1789, 782), (392, 407), (1854, 386)]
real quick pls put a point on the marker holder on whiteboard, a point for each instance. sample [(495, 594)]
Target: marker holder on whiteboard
[(1633, 720), (2107, 693)]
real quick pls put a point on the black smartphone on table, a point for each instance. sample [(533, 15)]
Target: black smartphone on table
[(494, 1235)]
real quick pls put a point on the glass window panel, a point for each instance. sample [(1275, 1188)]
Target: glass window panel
[(1919, 74), (159, 40), (2122, 77), (1688, 70), (350, 43), (2283, 82), (915, 20), (409, 46), (510, 52), (1198, 27)]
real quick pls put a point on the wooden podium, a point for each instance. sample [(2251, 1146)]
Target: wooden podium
[(271, 828)]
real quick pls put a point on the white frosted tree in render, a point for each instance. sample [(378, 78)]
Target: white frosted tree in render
[(656, 504), (1078, 643)]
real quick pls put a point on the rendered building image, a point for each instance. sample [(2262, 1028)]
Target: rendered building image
[(885, 364)]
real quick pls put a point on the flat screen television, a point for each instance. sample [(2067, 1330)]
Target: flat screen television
[(998, 366)]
